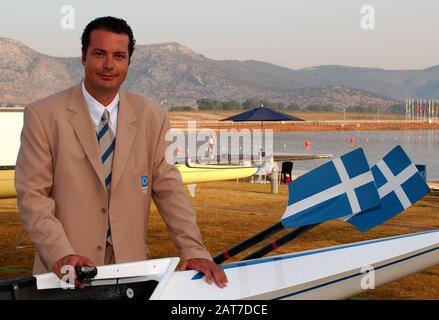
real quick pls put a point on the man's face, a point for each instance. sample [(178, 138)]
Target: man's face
[(106, 61)]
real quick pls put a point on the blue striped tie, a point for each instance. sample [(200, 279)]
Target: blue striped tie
[(107, 142)]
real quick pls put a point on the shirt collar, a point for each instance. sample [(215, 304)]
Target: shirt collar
[(97, 109)]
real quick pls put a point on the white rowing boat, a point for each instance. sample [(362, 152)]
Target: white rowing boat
[(330, 273)]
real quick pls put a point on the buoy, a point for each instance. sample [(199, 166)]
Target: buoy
[(352, 141), (307, 144)]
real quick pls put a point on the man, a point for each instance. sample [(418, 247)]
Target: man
[(212, 143), (91, 158)]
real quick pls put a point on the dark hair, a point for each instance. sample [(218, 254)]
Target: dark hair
[(112, 24)]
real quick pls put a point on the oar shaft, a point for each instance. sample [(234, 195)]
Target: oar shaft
[(280, 242), (248, 243)]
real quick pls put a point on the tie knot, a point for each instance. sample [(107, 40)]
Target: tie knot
[(105, 116)]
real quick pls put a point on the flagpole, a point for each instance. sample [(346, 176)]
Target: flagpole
[(437, 110), (429, 111), (413, 110), (417, 110), (433, 111), (425, 110), (406, 110)]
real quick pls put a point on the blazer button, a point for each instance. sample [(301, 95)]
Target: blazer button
[(103, 210), (99, 248)]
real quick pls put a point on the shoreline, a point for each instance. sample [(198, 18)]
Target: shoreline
[(311, 126), (313, 122)]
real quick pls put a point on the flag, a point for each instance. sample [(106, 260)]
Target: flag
[(429, 109), (399, 185), (335, 189)]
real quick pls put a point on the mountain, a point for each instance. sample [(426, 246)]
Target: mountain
[(175, 75)]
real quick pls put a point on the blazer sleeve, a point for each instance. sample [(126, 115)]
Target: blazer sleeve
[(173, 204), (33, 182)]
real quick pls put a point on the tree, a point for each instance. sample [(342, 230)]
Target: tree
[(250, 104), (319, 107), (230, 105), (181, 108), (397, 108), (362, 108), (293, 106), (208, 104)]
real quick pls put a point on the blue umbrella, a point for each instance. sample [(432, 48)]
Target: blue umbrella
[(262, 114)]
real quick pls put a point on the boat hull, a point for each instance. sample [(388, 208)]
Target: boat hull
[(331, 273), (189, 174), (206, 173)]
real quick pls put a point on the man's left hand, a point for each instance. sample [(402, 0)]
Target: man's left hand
[(210, 269)]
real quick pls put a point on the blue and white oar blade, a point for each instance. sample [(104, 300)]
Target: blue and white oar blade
[(399, 185), (338, 188)]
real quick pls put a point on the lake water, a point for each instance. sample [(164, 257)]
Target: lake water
[(422, 146)]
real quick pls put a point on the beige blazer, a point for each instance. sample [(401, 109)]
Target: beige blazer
[(61, 188)]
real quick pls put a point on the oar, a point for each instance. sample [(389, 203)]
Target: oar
[(280, 241), (324, 193), (391, 205), (244, 245), (264, 234)]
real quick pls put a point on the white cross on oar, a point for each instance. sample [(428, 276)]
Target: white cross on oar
[(347, 186), (394, 182)]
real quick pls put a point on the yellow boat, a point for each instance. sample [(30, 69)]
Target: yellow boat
[(190, 174), (7, 189), (204, 173)]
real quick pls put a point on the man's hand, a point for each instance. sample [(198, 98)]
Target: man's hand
[(73, 261), (209, 268)]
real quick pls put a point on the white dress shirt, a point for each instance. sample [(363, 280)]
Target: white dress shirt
[(97, 109)]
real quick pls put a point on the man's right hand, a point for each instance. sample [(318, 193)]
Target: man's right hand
[(73, 261)]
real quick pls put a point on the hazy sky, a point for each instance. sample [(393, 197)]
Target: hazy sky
[(291, 33)]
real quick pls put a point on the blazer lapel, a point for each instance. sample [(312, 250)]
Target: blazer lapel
[(125, 134), (83, 126)]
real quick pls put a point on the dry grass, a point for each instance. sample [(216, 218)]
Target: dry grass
[(229, 212)]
